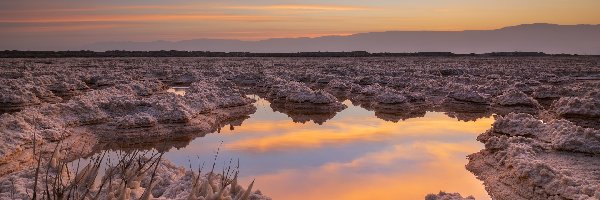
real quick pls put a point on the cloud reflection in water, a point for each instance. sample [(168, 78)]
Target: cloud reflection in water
[(352, 156)]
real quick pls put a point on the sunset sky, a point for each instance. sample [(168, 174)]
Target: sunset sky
[(50, 24)]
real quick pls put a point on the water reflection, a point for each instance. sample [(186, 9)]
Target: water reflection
[(302, 113), (354, 155), (465, 111)]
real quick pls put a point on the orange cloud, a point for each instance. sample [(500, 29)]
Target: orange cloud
[(62, 28), (189, 7), (98, 8), (141, 18), (302, 7)]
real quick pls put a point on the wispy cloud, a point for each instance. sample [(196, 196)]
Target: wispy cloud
[(145, 13), (64, 28), (102, 8), (302, 7), (204, 6), (141, 18)]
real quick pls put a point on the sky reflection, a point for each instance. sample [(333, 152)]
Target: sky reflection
[(352, 156)]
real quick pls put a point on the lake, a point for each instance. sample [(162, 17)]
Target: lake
[(351, 156)]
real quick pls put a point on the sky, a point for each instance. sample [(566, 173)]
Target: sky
[(62, 23)]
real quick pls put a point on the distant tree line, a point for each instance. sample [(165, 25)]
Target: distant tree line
[(174, 53)]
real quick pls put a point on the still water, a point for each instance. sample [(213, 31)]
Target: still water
[(352, 156)]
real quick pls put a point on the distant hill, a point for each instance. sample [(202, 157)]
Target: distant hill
[(549, 38)]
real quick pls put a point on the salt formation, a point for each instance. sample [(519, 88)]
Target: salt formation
[(525, 158), (17, 95), (109, 103), (337, 85), (582, 110), (514, 97), (394, 106), (379, 84), (302, 103), (548, 92), (468, 95), (295, 92), (447, 196), (140, 111), (586, 106)]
